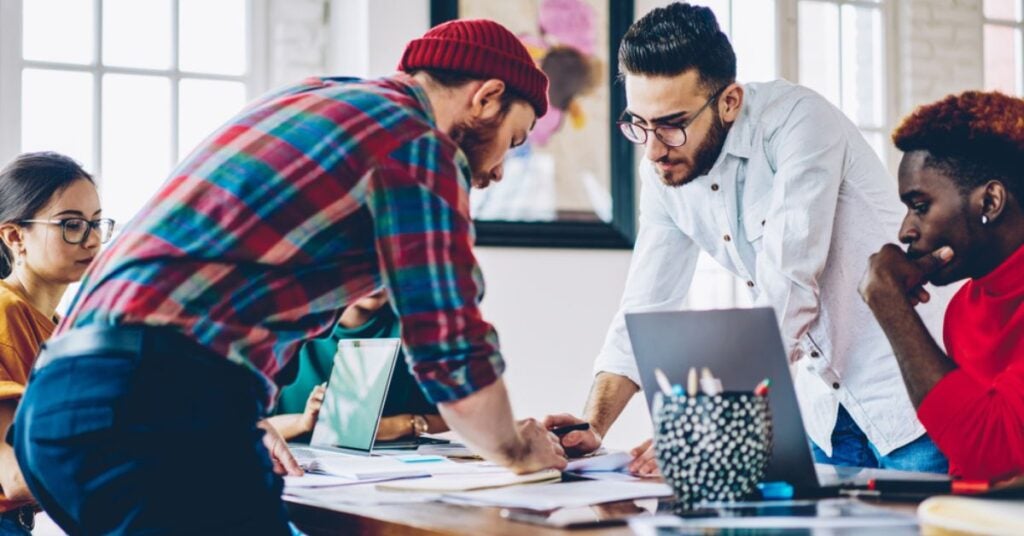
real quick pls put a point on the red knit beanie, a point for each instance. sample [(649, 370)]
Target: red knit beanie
[(481, 48)]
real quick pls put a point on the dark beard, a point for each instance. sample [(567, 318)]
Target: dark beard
[(707, 153), (474, 140)]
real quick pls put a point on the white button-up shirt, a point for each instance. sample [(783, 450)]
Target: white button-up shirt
[(794, 206)]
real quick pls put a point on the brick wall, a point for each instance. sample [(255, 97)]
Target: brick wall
[(940, 49)]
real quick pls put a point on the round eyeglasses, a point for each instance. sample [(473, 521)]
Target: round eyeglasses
[(671, 135), (76, 231)]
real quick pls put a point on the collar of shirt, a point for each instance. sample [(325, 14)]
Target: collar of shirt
[(739, 140)]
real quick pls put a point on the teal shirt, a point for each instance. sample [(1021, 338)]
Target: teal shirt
[(316, 359)]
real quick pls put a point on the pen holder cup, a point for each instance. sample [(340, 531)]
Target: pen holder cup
[(712, 448)]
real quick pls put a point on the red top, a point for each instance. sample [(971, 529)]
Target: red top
[(976, 413)]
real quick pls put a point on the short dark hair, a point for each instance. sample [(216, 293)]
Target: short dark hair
[(27, 184), (455, 79), (671, 40), (972, 138)]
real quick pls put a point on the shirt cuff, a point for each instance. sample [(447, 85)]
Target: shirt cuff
[(442, 384)]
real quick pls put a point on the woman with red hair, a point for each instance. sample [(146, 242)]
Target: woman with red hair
[(962, 179)]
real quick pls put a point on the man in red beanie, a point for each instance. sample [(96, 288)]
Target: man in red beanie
[(310, 199)]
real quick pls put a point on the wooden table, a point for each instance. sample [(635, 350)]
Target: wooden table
[(421, 520), (438, 519)]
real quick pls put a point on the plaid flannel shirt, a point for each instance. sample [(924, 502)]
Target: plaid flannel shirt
[(307, 200)]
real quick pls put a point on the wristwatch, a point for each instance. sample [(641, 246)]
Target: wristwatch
[(420, 425)]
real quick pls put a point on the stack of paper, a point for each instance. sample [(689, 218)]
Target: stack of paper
[(561, 495), (364, 468)]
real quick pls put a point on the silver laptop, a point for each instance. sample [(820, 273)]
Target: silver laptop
[(356, 391), (743, 347)]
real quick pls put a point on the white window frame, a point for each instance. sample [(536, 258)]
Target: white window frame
[(787, 12), (12, 64), (1019, 26)]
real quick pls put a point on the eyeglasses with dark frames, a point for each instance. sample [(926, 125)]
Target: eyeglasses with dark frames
[(76, 231), (670, 135)]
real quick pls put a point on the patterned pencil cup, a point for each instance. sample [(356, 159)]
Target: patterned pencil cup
[(712, 448)]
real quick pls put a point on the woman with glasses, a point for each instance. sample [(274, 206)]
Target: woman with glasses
[(50, 231)]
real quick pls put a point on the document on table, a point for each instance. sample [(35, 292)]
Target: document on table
[(363, 468), (560, 495), (482, 478)]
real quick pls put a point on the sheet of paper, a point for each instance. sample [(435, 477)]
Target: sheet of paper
[(456, 482), (561, 494), (613, 461)]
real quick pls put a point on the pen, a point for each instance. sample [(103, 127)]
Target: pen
[(562, 430), (708, 383), (691, 382), (960, 487), (875, 495), (663, 382)]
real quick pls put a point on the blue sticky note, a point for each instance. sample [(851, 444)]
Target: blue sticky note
[(416, 458)]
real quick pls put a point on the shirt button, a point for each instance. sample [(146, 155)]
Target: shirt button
[(727, 238), (750, 284), (714, 187), (815, 354), (835, 385)]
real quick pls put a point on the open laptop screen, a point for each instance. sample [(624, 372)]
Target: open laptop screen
[(355, 394)]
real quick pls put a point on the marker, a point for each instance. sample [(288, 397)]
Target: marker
[(562, 430), (691, 382), (959, 487), (663, 382), (762, 388)]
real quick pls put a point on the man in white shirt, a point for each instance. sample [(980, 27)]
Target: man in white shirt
[(780, 188)]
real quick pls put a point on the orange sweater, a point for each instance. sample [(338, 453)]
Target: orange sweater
[(22, 331)]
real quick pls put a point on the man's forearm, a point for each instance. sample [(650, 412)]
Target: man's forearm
[(921, 361), (484, 421), (608, 397)]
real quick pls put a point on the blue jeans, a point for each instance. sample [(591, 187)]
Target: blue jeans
[(160, 439), (851, 447)]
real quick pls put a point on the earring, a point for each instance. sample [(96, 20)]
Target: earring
[(984, 219), (19, 259)]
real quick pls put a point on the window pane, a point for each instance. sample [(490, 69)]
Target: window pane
[(1002, 58), (213, 36), (879, 142), (819, 48), (57, 113), (58, 30), (204, 106), (137, 33), (863, 65), (1002, 9), (136, 141), (753, 38)]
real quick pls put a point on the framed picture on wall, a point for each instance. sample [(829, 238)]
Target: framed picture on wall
[(571, 183)]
